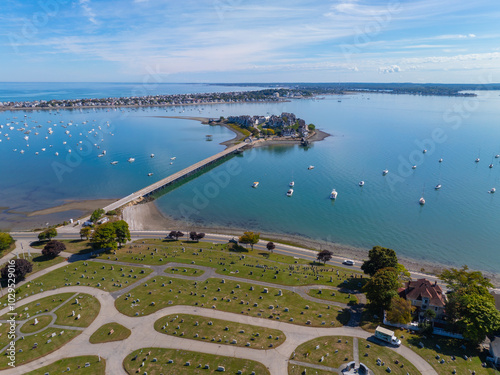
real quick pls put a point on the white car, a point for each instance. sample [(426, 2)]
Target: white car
[(349, 262)]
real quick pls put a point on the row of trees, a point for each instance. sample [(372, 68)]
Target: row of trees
[(110, 235)]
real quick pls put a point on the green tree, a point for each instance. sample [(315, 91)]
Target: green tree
[(104, 236), (382, 287), (324, 256), (400, 310), (47, 234), (122, 232), (249, 238), (379, 257), (5, 240), (96, 215), (311, 127), (85, 232), (470, 306)]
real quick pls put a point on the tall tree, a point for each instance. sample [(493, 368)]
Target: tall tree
[(271, 246), (21, 268), (122, 232), (200, 235), (47, 234), (400, 310), (96, 215), (324, 256), (53, 248), (104, 236), (379, 257), (5, 240), (382, 287), (470, 306), (85, 232), (249, 238)]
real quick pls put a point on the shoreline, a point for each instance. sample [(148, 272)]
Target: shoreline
[(147, 217)]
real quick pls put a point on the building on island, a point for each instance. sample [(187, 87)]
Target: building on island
[(424, 295)]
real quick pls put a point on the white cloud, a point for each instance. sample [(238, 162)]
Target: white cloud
[(85, 4), (390, 69)]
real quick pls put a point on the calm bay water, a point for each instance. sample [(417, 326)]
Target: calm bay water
[(457, 225)]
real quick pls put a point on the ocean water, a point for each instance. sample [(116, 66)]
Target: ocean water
[(370, 132)]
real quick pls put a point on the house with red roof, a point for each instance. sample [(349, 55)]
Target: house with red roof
[(424, 295)]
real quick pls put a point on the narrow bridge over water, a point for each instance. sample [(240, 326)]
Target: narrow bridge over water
[(159, 185)]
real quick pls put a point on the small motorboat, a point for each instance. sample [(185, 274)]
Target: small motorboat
[(384, 172), (333, 194), (289, 193), (100, 155), (152, 155), (491, 165), (292, 184), (421, 201), (438, 186), (424, 151), (492, 191), (413, 166), (131, 160), (173, 158), (361, 183), (114, 162), (255, 184), (497, 156), (477, 160), (441, 160), (150, 174), (310, 167)]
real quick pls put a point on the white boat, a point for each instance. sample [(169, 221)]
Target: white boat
[(150, 174), (492, 190), (57, 154), (441, 160), (477, 160), (361, 183), (152, 155), (497, 156), (289, 192), (114, 162), (424, 151), (491, 165), (310, 167), (413, 166), (384, 172), (131, 160), (173, 158), (421, 201), (100, 155), (333, 194), (292, 184), (255, 184), (438, 186)]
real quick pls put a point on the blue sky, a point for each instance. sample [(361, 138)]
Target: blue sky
[(250, 40)]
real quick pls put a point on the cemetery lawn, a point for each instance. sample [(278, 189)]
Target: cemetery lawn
[(387, 356), (59, 367), (184, 325), (44, 305), (28, 354), (333, 295), (4, 331), (294, 369), (43, 321), (88, 307), (448, 347), (72, 246), (109, 277), (244, 263), (184, 271), (40, 262), (180, 359), (233, 297), (102, 334), (307, 351)]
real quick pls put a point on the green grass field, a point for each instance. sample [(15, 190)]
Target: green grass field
[(76, 365), (102, 334), (95, 274), (447, 348), (4, 333), (244, 263), (221, 331), (294, 369), (88, 308), (43, 321), (333, 295), (184, 271), (334, 353), (38, 306), (197, 362), (29, 354), (72, 246), (289, 307)]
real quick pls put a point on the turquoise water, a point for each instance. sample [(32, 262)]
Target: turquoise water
[(370, 133)]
